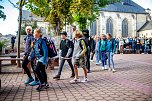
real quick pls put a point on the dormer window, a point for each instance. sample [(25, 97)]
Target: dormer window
[(126, 2)]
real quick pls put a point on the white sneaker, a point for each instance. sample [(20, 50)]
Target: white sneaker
[(97, 63), (105, 67), (109, 69), (113, 70), (100, 62), (91, 60), (75, 80), (84, 80)]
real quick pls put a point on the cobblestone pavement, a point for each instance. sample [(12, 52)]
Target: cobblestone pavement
[(131, 82)]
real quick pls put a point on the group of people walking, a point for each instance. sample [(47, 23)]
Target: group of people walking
[(105, 49), (135, 45), (78, 52)]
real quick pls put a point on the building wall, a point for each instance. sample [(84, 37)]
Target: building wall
[(146, 33), (141, 20), (135, 21), (45, 26)]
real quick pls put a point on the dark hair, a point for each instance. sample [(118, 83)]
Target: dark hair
[(109, 35), (74, 26)]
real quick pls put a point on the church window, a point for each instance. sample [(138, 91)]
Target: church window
[(125, 28), (109, 26)]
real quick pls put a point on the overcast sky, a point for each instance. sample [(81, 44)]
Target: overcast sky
[(10, 25)]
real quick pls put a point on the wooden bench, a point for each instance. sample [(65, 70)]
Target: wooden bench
[(127, 51), (53, 62), (12, 56), (9, 59)]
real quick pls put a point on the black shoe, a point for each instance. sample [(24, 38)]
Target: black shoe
[(46, 86), (56, 77), (72, 76), (40, 87)]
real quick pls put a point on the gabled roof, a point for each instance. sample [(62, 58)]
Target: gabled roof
[(125, 6), (146, 26)]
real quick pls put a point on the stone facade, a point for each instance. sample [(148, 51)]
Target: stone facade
[(121, 19), (133, 21), (146, 33)]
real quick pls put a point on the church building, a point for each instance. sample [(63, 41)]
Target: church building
[(122, 19)]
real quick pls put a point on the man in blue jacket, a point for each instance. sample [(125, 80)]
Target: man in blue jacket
[(40, 54), (28, 41)]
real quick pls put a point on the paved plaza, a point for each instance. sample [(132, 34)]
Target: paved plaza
[(131, 82)]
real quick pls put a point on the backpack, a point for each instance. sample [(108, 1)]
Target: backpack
[(52, 52), (88, 48), (70, 44)]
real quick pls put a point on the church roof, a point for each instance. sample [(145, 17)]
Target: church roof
[(146, 26), (125, 6)]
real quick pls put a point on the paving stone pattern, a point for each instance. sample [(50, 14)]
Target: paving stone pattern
[(131, 82)]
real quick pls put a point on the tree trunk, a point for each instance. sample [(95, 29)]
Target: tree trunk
[(19, 33)]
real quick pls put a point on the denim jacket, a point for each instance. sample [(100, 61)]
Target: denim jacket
[(111, 46), (35, 53)]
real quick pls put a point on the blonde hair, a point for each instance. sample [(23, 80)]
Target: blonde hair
[(103, 35), (78, 34), (96, 36), (28, 27), (39, 31)]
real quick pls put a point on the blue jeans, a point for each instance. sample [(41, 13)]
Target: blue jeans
[(110, 59), (97, 56), (146, 49), (61, 66), (103, 58)]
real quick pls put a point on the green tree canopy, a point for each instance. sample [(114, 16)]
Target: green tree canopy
[(61, 12), (2, 14)]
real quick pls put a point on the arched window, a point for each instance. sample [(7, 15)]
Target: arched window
[(125, 28), (109, 26)]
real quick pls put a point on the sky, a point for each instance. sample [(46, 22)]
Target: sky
[(10, 25)]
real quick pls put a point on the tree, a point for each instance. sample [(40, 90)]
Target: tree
[(2, 15), (56, 12), (61, 12), (88, 10), (19, 6), (33, 25)]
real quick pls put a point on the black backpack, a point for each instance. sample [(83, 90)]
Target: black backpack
[(70, 44), (52, 52)]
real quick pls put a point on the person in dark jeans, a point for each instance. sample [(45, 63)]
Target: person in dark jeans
[(13, 42), (40, 53), (28, 41), (87, 42), (134, 45), (92, 46), (66, 47)]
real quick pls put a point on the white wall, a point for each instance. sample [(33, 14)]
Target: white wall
[(146, 33), (134, 21)]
